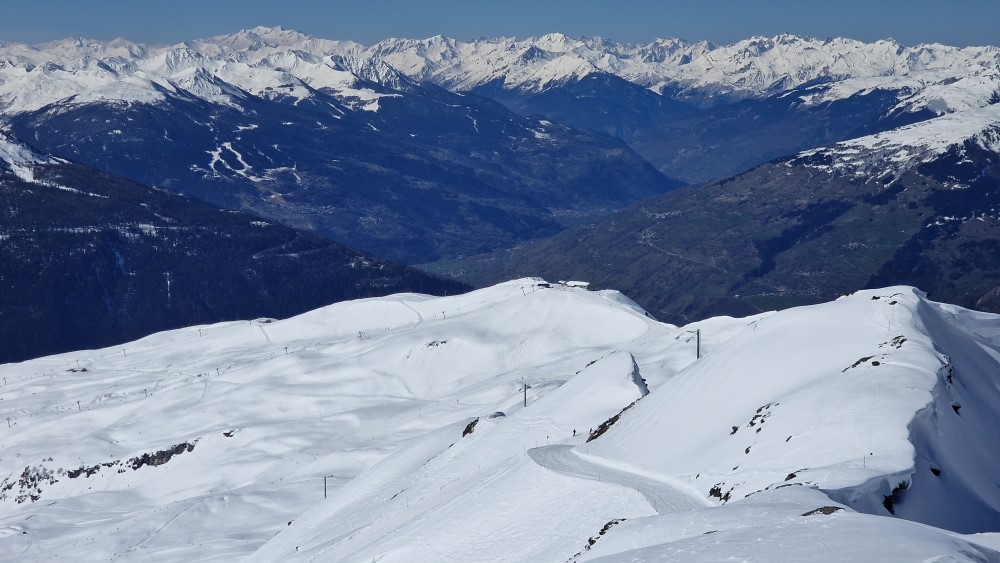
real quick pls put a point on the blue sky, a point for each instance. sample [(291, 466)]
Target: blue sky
[(956, 22)]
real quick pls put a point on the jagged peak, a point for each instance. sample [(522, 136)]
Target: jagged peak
[(554, 37), (534, 53), (372, 69)]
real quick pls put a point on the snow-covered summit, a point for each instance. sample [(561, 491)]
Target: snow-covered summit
[(264, 40), (375, 428)]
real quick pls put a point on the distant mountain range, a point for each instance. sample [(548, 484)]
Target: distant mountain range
[(700, 111), (754, 67), (88, 259)]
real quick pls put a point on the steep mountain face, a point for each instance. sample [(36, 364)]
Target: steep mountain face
[(90, 259), (918, 205), (305, 132), (374, 429)]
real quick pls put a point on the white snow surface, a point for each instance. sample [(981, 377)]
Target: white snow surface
[(782, 526), (211, 442), (809, 396)]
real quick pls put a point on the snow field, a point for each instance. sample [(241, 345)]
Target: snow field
[(792, 524), (272, 407), (213, 442)]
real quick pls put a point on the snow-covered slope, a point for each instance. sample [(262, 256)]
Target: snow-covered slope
[(19, 159), (889, 153), (842, 397), (214, 441), (247, 418)]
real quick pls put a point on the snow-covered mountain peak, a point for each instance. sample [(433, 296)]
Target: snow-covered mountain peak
[(207, 86), (374, 70), (668, 51), (557, 42), (418, 58), (174, 59), (264, 61), (261, 41), (260, 36)]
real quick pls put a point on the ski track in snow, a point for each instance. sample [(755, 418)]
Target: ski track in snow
[(420, 317), (663, 497)]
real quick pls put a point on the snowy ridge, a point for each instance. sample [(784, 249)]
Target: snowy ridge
[(882, 154), (885, 357), (277, 62), (938, 91), (213, 441), (754, 67)]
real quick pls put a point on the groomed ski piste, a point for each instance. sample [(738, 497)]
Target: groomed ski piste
[(858, 430)]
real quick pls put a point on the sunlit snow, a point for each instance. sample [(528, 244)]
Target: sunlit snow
[(408, 414)]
